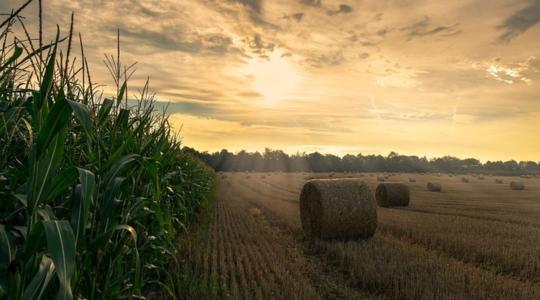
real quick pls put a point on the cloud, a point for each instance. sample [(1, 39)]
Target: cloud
[(315, 3), (513, 72), (255, 5), (297, 17), (173, 39), (326, 60), (425, 27), (259, 47), (342, 9), (520, 22)]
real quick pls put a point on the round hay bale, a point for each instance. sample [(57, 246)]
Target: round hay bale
[(463, 179), (338, 209), (499, 181), (480, 177), (412, 180), (434, 187), (517, 185), (392, 194), (380, 178)]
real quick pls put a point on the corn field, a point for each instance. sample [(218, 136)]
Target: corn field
[(93, 189)]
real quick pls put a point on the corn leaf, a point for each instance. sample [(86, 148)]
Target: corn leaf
[(40, 282), (61, 246), (56, 120), (84, 196), (7, 248)]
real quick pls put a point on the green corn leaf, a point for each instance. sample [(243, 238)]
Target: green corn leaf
[(101, 240), (56, 120), (7, 248), (121, 93), (109, 204), (123, 118), (132, 232), (84, 196), (152, 170), (43, 170), (61, 246), (35, 240), (118, 165), (48, 78), (47, 213), (62, 182), (40, 281), (83, 116), (16, 54), (104, 110)]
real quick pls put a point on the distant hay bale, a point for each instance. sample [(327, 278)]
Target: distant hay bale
[(463, 179), (380, 178), (370, 175), (499, 181), (480, 177), (263, 176), (434, 187), (412, 180), (392, 194), (338, 209), (517, 186), (332, 174)]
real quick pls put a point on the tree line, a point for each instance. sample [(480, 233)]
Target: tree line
[(277, 160)]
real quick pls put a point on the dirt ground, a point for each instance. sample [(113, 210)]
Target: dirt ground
[(474, 240)]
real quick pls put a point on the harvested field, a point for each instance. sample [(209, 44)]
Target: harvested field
[(476, 240)]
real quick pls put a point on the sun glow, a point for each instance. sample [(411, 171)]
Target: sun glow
[(275, 77)]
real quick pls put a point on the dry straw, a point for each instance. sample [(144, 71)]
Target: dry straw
[(338, 209), (434, 187), (392, 194), (517, 186)]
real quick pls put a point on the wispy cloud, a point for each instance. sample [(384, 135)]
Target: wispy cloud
[(425, 27), (520, 21)]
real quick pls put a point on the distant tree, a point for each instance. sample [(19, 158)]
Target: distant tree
[(277, 160)]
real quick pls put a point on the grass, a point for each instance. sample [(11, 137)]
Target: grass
[(94, 191)]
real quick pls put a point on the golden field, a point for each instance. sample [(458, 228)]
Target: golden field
[(474, 240)]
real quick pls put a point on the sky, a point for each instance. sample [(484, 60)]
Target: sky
[(422, 77)]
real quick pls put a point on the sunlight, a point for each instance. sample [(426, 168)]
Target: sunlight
[(275, 78)]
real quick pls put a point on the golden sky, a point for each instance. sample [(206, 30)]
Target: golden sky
[(417, 77)]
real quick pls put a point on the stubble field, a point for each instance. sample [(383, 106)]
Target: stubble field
[(475, 240)]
